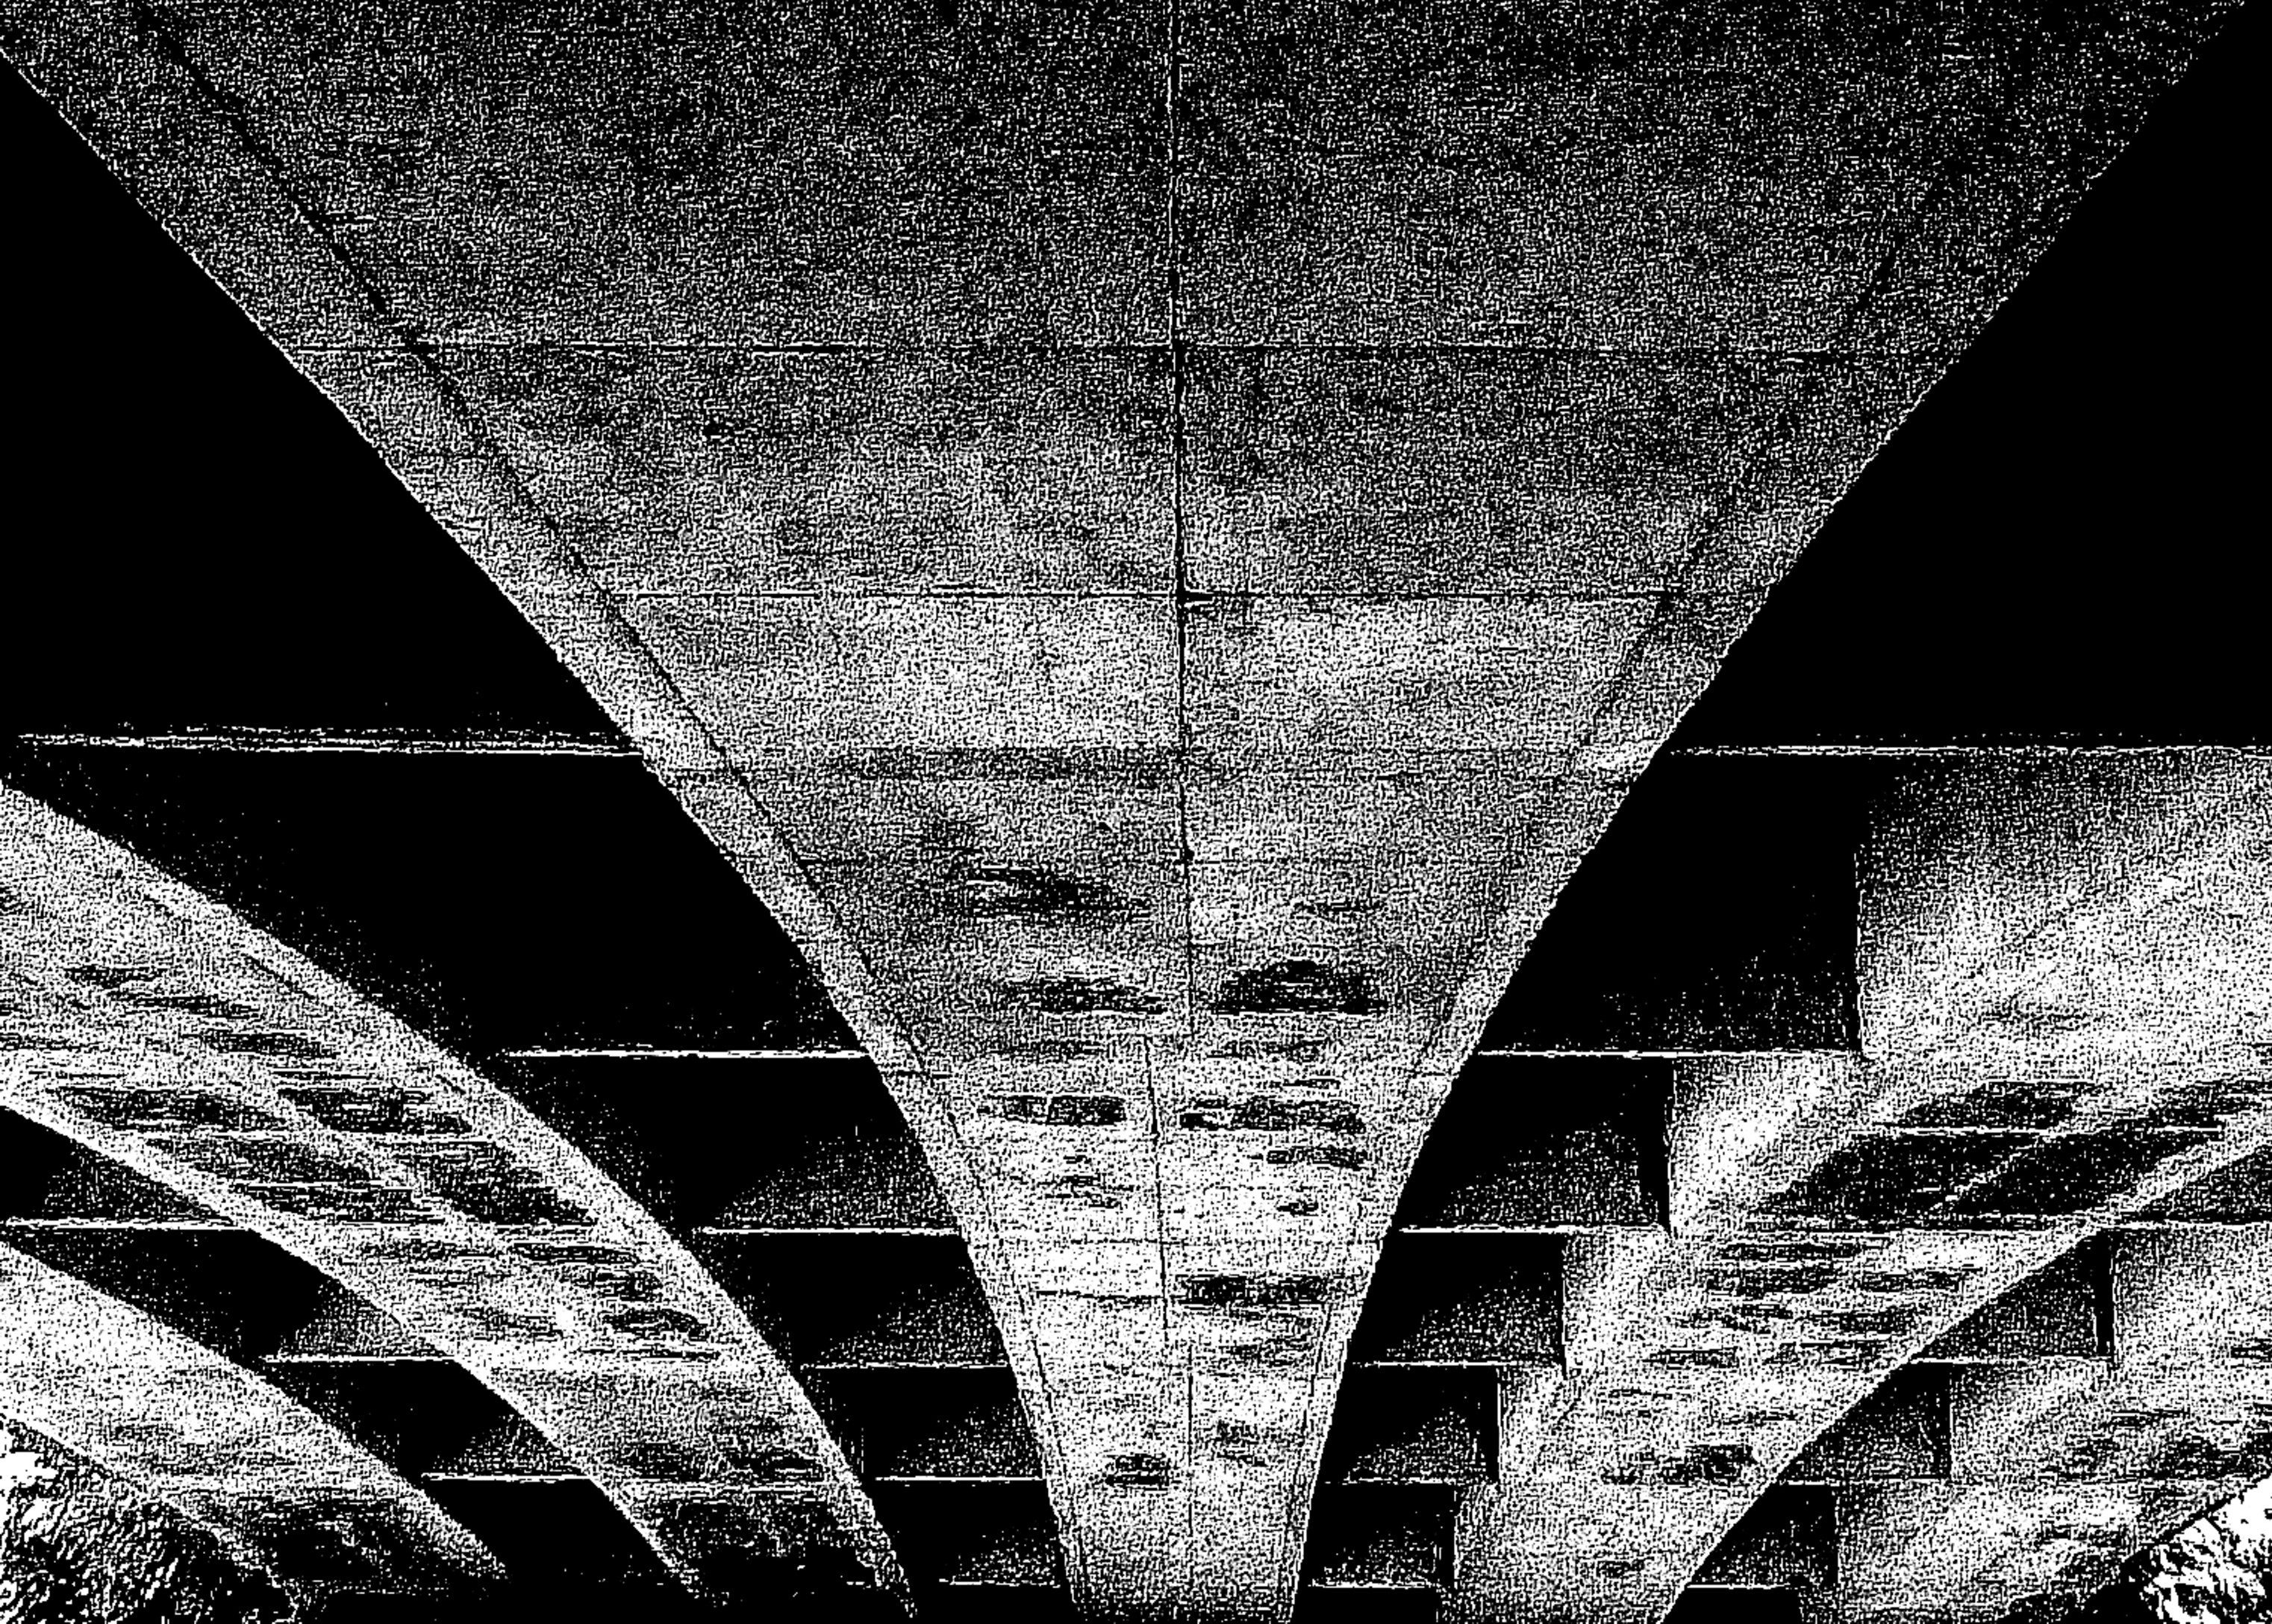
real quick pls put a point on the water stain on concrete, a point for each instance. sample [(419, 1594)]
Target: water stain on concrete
[(1764, 1281), (486, 1183), (1895, 1321), (169, 1109), (622, 1285), (1031, 894), (2003, 1104), (1059, 1110), (1243, 1442), (649, 1321), (1835, 1355), (1784, 1251), (1697, 1359), (112, 977), (381, 1110), (1932, 1280), (202, 1003), (1298, 987), (1348, 1158), (774, 1464), (278, 1046), (1264, 1114), (1139, 1469), (573, 1253), (1301, 1051), (655, 1460), (371, 1203), (262, 1160), (1058, 1050), (1083, 1189), (1078, 995), (1715, 1463), (1098, 765), (1254, 1290), (1746, 1319)]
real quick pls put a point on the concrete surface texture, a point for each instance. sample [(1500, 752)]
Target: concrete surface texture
[(1156, 539), (151, 1026)]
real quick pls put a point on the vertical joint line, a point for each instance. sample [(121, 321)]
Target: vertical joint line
[(1191, 1454), (1178, 463), (1159, 1187)]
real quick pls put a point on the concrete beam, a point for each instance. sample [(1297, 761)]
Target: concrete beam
[(1962, 1490), (284, 1492), (160, 1030), (237, 1294), (2058, 1032)]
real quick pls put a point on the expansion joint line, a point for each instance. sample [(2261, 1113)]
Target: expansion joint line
[(1178, 466), (1178, 459)]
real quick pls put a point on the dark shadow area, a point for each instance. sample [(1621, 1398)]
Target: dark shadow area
[(2062, 542), (1717, 913), (200, 537), (493, 902)]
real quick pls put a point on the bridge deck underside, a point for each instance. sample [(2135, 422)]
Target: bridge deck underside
[(1156, 592)]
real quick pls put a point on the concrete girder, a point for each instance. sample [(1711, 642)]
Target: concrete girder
[(997, 724), (2063, 1010), (284, 1492), (2101, 1404), (2172, 1426), (247, 1300), (289, 1107)]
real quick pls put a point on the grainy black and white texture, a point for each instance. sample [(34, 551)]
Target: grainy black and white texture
[(952, 816)]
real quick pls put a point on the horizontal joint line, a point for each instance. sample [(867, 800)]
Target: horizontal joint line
[(682, 1055), (504, 1477), (829, 1229), (157, 1226), (313, 743), (1997, 752)]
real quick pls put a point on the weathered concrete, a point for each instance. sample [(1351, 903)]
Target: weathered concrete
[(154, 1027), (975, 456), (2063, 1013), (2049, 1459), (284, 1493)]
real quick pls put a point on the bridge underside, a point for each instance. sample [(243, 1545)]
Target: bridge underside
[(1156, 561)]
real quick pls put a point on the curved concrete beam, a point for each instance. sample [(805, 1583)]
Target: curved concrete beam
[(159, 1029), (1026, 622), (2058, 1471), (283, 1491), (2065, 1013), (2120, 1395)]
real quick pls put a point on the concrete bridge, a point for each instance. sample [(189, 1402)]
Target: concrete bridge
[(1039, 930)]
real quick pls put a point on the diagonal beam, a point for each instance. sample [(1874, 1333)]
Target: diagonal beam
[(290, 1108)]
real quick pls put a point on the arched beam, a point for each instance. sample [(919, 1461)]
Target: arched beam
[(2062, 1022), (247, 1300), (315, 1121), (2116, 1395), (284, 1492), (2058, 1471)]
